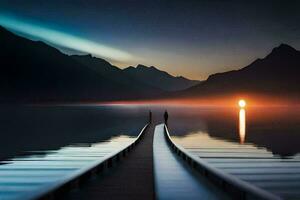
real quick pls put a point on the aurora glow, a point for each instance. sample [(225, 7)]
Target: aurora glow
[(63, 39)]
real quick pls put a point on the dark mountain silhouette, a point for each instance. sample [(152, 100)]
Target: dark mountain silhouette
[(114, 73), (159, 79), (277, 73), (34, 71)]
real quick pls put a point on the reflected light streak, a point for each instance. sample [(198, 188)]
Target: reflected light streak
[(63, 39), (242, 125)]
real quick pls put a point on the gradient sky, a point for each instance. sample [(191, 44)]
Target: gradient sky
[(190, 38)]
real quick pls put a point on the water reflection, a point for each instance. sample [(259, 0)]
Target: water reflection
[(275, 129), (24, 177), (52, 127), (242, 125)]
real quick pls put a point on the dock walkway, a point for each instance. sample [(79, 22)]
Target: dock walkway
[(256, 166), (174, 179), (131, 179), (152, 167), (53, 173)]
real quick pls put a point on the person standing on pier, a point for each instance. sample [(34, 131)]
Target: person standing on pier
[(166, 116), (150, 116)]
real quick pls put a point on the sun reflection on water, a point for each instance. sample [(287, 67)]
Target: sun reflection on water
[(242, 125)]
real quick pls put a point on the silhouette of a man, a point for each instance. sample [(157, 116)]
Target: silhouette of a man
[(150, 116), (166, 116)]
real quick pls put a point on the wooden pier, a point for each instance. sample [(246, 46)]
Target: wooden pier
[(131, 179), (232, 185), (175, 179), (52, 174), (249, 164), (152, 166)]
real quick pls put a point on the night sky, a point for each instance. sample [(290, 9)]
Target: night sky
[(190, 38)]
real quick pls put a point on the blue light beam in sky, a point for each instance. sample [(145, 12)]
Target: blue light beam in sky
[(63, 39)]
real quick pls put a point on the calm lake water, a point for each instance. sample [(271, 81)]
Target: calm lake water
[(42, 128), (275, 129), (258, 145), (42, 147), (32, 128)]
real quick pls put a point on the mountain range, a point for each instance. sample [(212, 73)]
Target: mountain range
[(160, 79), (276, 74), (147, 77), (33, 71)]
